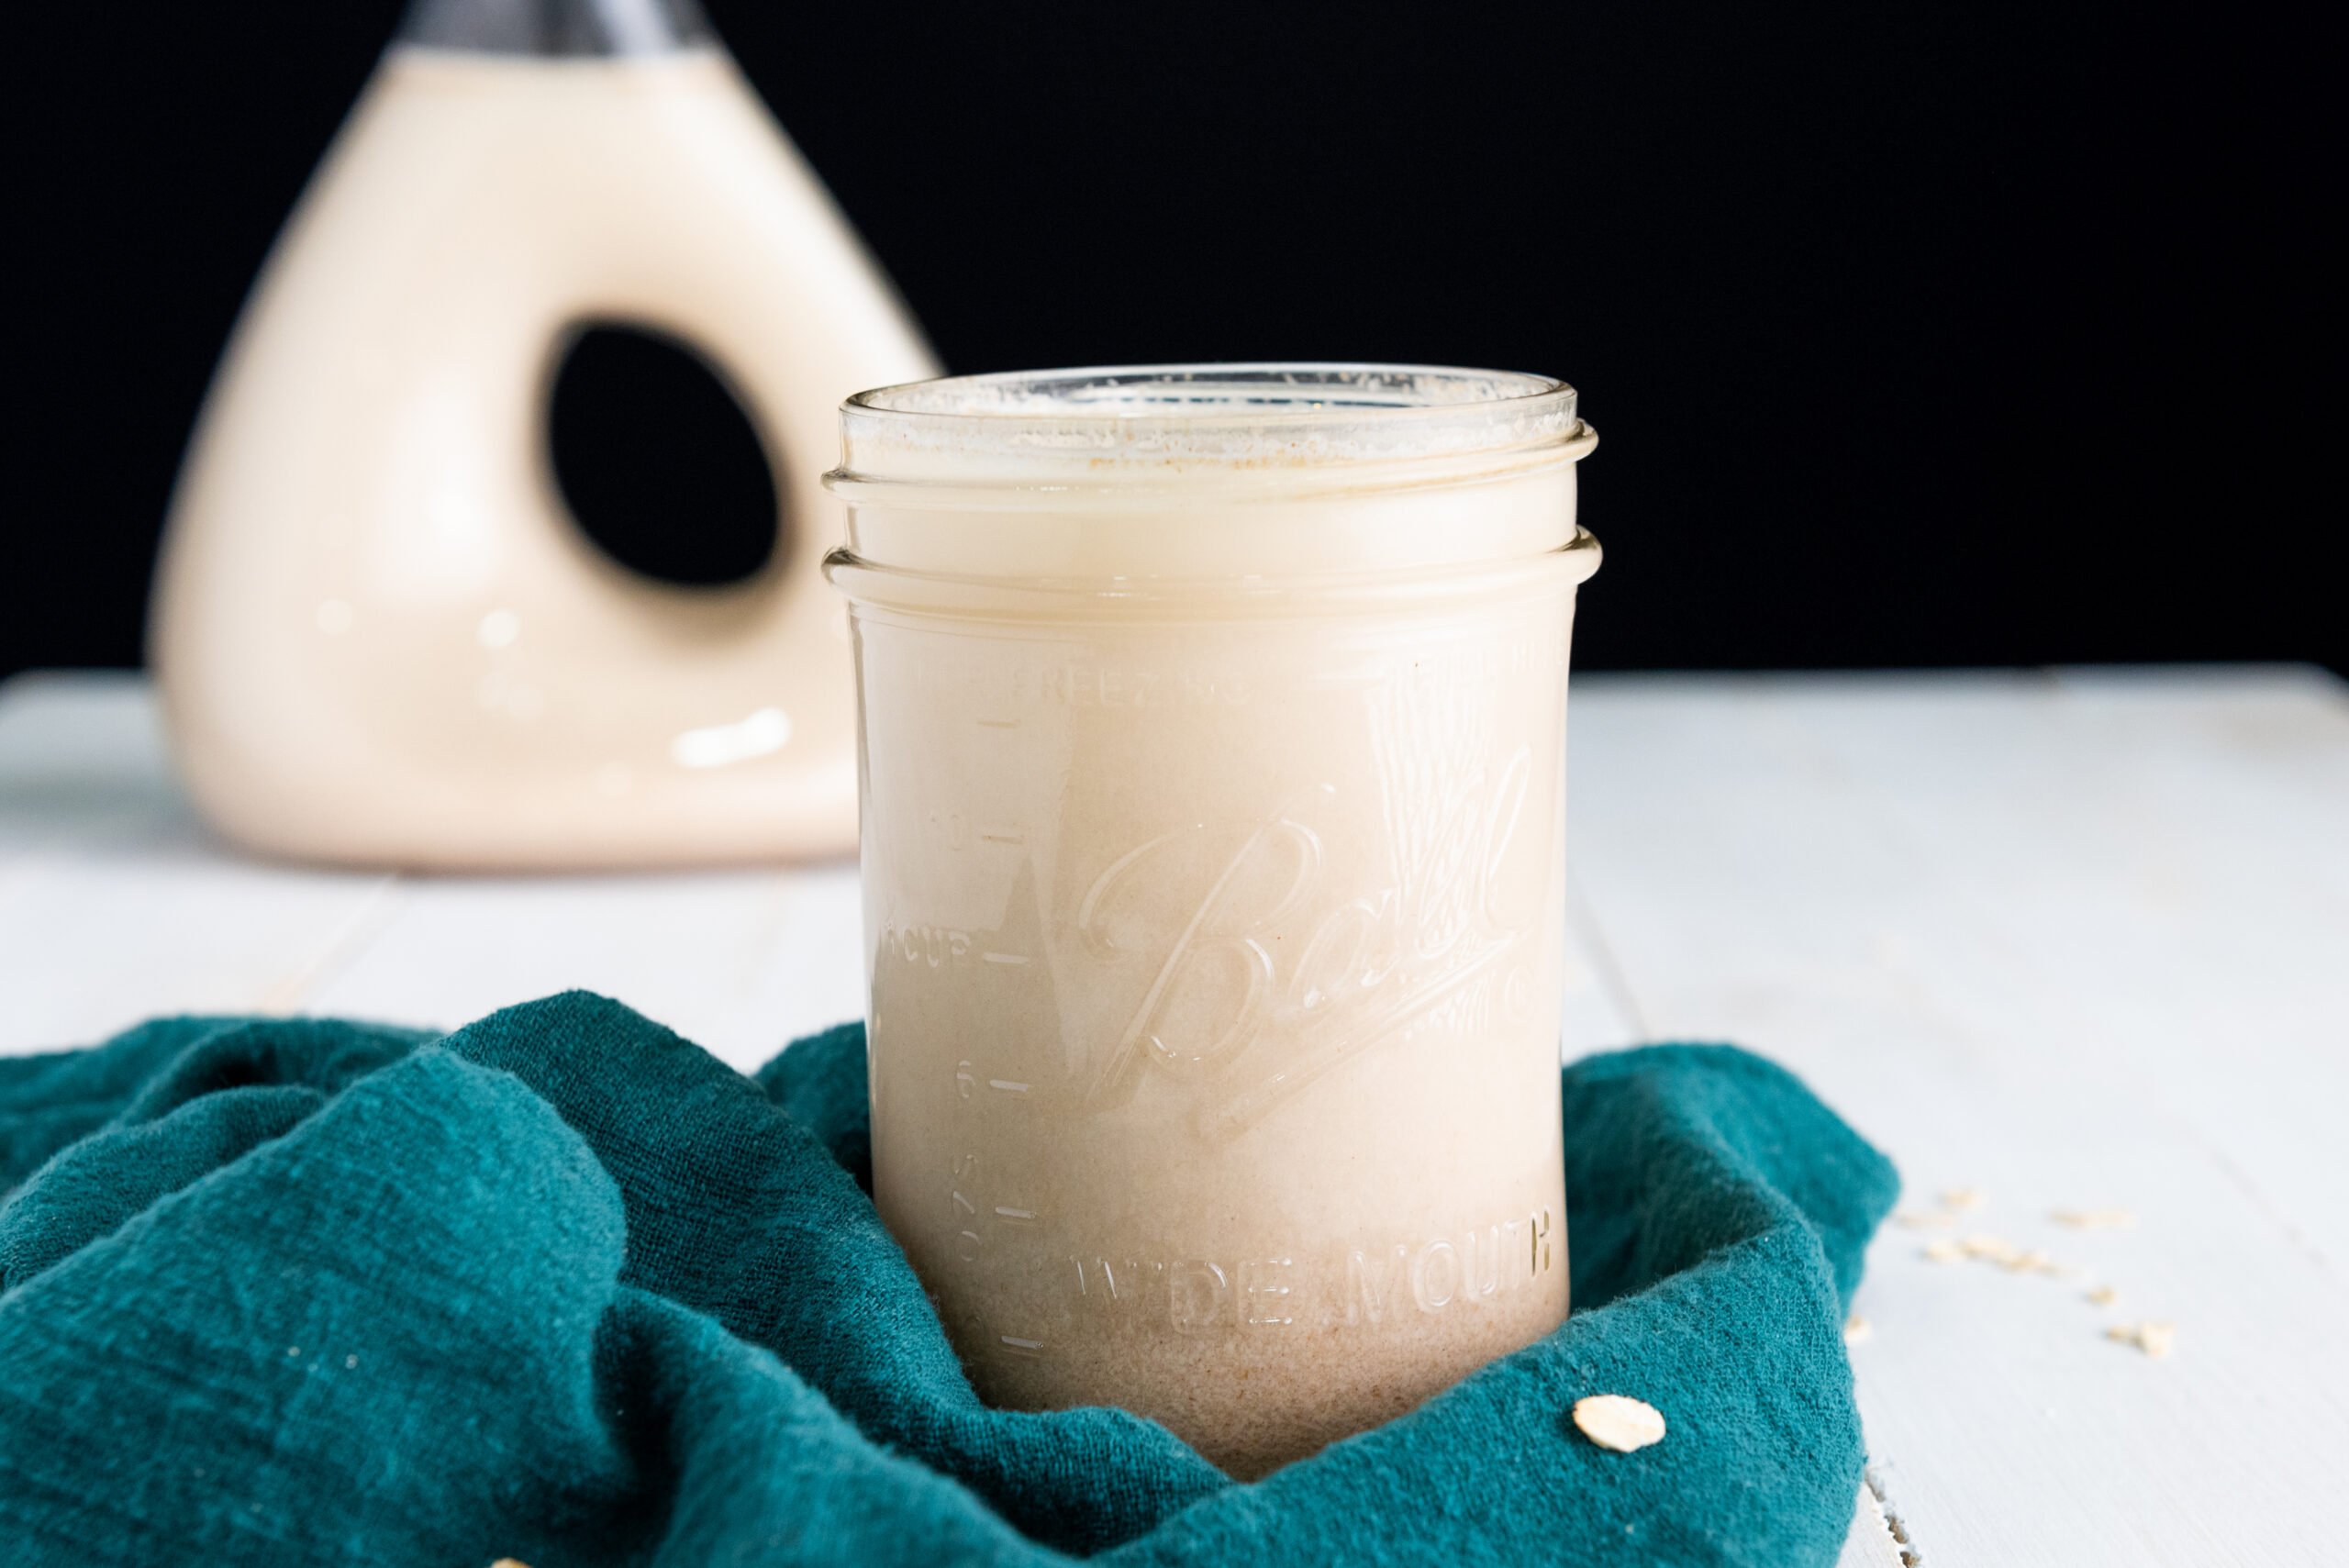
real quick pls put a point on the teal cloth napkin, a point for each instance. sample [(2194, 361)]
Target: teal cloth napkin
[(560, 1286)]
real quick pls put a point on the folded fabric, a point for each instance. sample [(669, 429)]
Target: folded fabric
[(561, 1287)]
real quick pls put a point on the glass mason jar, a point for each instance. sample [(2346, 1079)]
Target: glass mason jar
[(1213, 786)]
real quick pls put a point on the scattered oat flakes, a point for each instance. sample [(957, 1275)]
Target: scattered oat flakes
[(2093, 1218), (2032, 1263), (1963, 1199), (1619, 1422), (2157, 1339), (1924, 1219), (1856, 1329), (2103, 1296), (1942, 1252)]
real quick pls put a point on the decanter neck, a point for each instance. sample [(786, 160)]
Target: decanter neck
[(557, 28)]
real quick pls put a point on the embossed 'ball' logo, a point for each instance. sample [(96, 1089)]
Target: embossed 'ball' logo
[(1226, 1003)]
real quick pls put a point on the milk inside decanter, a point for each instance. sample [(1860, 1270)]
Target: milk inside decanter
[(378, 634)]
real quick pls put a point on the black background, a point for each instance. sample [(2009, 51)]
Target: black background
[(1918, 334)]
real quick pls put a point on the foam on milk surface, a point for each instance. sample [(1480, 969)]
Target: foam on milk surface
[(1199, 421)]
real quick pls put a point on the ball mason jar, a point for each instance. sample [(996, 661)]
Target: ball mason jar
[(1212, 775)]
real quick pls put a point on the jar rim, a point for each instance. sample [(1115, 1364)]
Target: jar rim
[(1101, 422)]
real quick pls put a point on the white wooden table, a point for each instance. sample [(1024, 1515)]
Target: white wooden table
[(2079, 940)]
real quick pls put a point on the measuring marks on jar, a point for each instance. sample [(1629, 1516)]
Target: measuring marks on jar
[(961, 976), (986, 1214), (955, 832), (946, 947), (975, 1208)]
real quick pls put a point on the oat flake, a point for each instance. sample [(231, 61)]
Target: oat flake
[(1996, 1248), (1619, 1422), (2157, 1339)]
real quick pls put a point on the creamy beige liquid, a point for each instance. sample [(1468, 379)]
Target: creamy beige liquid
[(379, 636), (1215, 921)]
